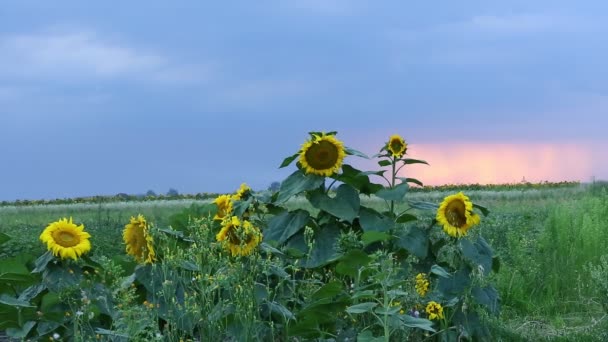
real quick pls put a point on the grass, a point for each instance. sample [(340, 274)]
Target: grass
[(547, 240)]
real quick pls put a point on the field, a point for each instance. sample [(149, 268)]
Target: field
[(549, 240)]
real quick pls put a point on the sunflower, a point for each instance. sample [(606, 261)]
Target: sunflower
[(456, 215), (66, 239), (138, 241), (224, 207), (434, 310), (322, 155), (240, 238), (422, 284), (242, 193), (396, 146)]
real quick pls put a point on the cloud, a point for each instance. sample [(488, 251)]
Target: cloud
[(83, 54)]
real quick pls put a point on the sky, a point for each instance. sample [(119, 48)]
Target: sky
[(107, 97)]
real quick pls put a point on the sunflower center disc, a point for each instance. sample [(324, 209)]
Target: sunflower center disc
[(67, 239), (455, 213), (323, 155)]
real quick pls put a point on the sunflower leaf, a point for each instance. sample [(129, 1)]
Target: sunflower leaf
[(358, 179), (345, 205), (423, 205), (296, 183), (485, 211), (397, 193), (384, 162), (415, 240), (372, 220), (488, 297), (479, 253), (411, 180), (414, 161), (406, 218), (289, 160), (353, 152), (323, 251), (285, 225), (43, 261)]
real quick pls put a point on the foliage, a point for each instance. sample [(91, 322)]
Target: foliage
[(335, 268)]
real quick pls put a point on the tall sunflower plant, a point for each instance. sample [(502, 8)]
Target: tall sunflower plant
[(60, 293), (454, 263)]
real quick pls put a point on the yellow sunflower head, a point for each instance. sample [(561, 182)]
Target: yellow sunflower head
[(434, 310), (322, 155), (242, 193), (456, 215), (65, 239), (224, 207), (239, 237), (422, 284), (396, 146), (138, 241)]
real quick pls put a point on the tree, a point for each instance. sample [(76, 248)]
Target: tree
[(172, 193)]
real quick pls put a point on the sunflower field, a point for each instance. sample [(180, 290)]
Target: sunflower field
[(249, 266)]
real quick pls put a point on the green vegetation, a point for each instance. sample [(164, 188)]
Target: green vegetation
[(366, 261)]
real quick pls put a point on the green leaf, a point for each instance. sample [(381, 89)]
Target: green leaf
[(280, 310), (367, 336), (414, 161), (472, 325), (364, 294), (412, 180), (361, 308), (387, 311), (351, 262), (414, 240), (479, 253), (328, 291), (396, 193), (189, 265), (420, 323), (4, 238), (423, 205), (345, 205), (13, 271), (285, 225), (269, 249), (488, 297), (31, 292), (296, 183), (456, 284), (43, 261), (22, 332), (324, 249), (239, 207), (406, 218), (358, 179), (485, 211), (372, 236), (371, 220), (8, 300), (440, 271), (353, 152), (289, 160), (384, 163)]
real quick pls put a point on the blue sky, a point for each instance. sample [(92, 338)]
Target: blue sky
[(128, 96)]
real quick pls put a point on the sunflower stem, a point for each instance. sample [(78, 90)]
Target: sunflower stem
[(393, 177)]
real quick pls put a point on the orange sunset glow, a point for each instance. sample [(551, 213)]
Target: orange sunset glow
[(494, 163)]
